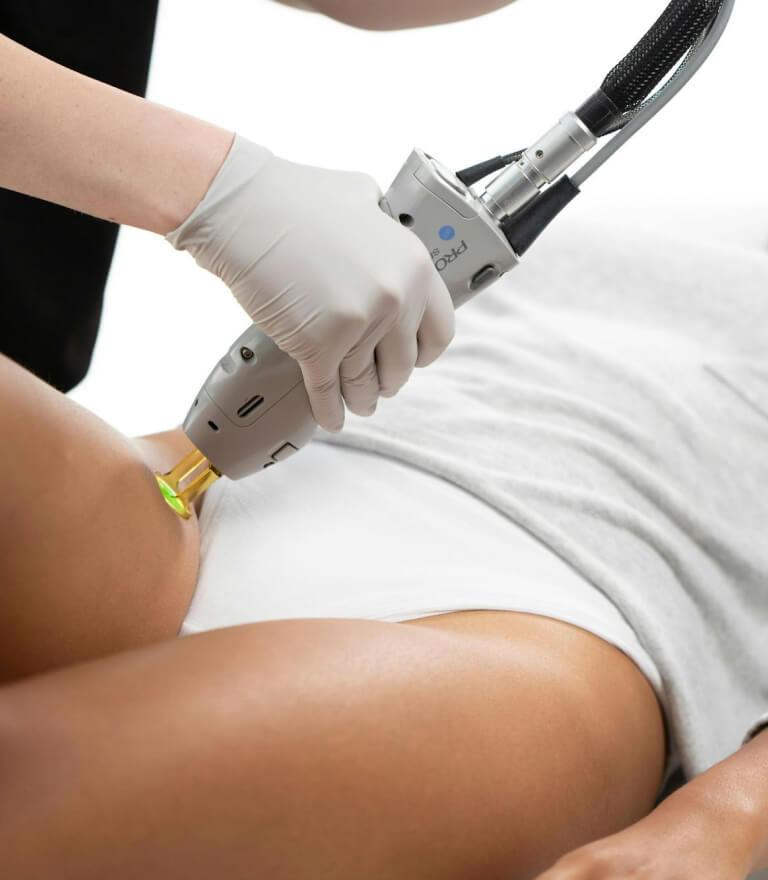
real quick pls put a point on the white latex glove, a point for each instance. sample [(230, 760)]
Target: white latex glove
[(338, 285)]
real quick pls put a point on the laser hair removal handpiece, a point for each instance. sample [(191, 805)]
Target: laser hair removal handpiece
[(253, 409)]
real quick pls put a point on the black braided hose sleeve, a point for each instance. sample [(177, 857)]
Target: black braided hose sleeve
[(635, 76)]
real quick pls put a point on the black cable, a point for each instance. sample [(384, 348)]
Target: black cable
[(698, 55), (523, 228), (624, 119), (671, 37), (471, 175), (670, 42), (625, 90)]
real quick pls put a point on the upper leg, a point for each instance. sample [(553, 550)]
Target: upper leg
[(597, 768), (334, 748), (618, 688), (92, 560)]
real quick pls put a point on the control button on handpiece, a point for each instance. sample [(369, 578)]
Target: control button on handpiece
[(485, 277), (285, 451)]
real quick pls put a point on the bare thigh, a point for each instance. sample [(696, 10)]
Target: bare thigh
[(481, 746), (614, 681), (91, 558)]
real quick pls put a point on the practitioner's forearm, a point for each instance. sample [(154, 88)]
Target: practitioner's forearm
[(395, 14), (77, 142)]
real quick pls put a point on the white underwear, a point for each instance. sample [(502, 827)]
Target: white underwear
[(338, 532)]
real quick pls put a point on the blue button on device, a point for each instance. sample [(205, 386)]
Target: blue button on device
[(447, 233)]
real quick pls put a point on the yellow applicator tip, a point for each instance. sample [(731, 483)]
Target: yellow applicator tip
[(179, 500), (172, 499)]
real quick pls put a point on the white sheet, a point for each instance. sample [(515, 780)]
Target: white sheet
[(338, 532)]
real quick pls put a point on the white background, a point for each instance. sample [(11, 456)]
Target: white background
[(319, 92)]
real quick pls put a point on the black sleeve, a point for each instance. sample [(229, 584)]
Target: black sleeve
[(54, 262)]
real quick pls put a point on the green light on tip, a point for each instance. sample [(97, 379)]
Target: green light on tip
[(172, 499)]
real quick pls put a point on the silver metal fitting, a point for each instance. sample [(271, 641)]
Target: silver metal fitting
[(467, 247), (540, 165)]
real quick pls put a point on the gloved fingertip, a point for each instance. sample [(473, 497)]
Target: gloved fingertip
[(334, 426)]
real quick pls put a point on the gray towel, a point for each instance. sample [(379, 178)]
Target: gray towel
[(610, 395)]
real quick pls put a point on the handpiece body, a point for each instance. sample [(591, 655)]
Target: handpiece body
[(253, 409)]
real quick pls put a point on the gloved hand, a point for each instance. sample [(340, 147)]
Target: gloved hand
[(337, 284)]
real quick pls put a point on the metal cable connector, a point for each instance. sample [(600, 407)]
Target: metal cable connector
[(540, 165)]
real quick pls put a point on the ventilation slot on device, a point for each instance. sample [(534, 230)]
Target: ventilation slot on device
[(250, 405)]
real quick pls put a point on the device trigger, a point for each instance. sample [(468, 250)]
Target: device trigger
[(285, 451), (484, 278)]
